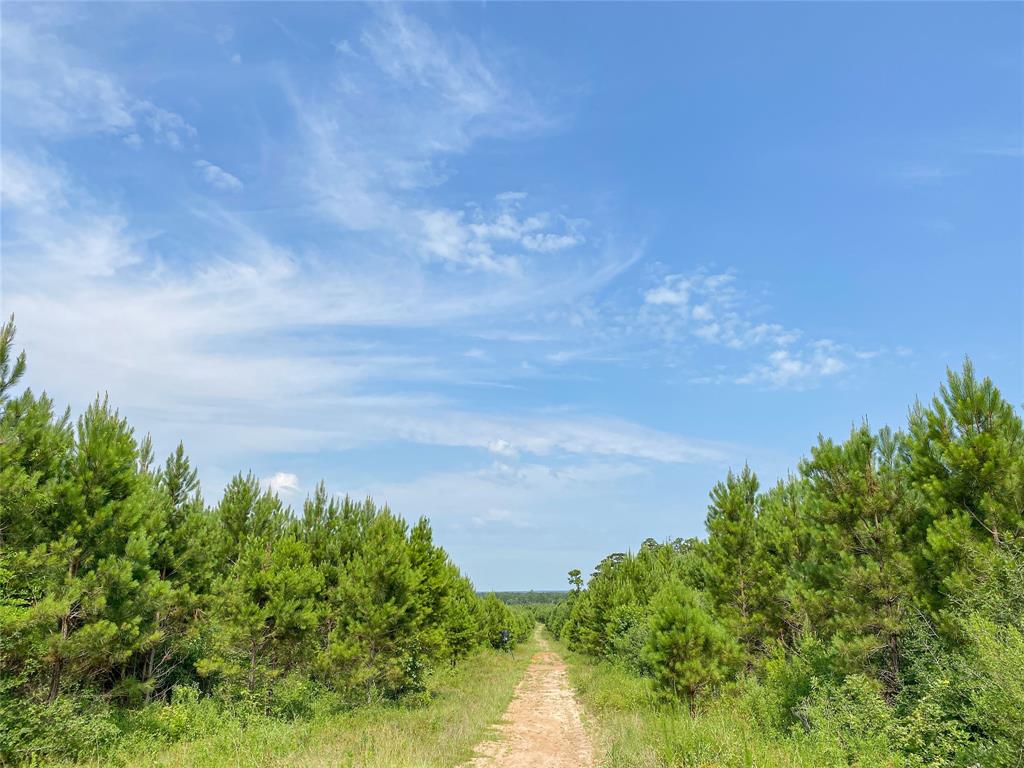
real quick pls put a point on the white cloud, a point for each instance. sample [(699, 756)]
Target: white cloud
[(674, 292), (224, 34), (422, 98), (45, 89), (282, 483), (499, 518), (547, 242), (217, 177), (408, 50), (712, 309), (501, 447), (344, 47), (34, 186), (786, 368), (167, 127), (702, 312), (503, 497), (51, 89), (61, 225), (511, 197), (549, 435)]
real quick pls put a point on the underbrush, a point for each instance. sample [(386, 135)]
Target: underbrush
[(633, 727), (436, 727), (960, 713)]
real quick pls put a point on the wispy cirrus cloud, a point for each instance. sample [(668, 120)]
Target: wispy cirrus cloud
[(52, 223), (53, 89), (288, 344)]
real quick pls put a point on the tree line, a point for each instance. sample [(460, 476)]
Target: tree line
[(877, 594), (121, 587), (531, 597)]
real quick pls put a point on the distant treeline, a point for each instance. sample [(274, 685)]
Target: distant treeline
[(874, 600), (532, 597), (121, 587)]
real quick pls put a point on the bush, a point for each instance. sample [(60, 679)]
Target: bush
[(786, 679), (189, 715), (850, 722), (993, 675), (628, 629), (67, 728), (293, 697)]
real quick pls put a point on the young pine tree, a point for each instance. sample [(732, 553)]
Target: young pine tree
[(376, 621), (728, 554), (966, 463), (109, 593), (266, 615), (857, 580), (688, 650)]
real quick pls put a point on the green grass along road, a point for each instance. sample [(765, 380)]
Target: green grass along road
[(628, 726)]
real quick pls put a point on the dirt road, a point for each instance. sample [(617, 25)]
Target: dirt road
[(541, 727)]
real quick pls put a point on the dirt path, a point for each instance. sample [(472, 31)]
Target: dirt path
[(541, 727)]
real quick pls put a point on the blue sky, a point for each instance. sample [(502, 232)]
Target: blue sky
[(540, 272)]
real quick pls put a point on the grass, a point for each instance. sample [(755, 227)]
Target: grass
[(442, 732), (632, 729)]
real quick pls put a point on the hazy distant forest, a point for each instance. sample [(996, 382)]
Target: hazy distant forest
[(868, 610)]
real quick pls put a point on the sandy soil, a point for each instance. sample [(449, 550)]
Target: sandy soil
[(541, 727)]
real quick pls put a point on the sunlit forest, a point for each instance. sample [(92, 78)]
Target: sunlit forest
[(129, 604), (511, 384), (867, 610)]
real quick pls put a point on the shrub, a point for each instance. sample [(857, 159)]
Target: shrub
[(688, 650), (67, 728), (628, 629), (850, 722)]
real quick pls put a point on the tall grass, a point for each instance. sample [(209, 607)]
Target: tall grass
[(632, 728), (438, 729)]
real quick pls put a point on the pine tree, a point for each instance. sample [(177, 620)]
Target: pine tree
[(247, 511), (728, 555), (858, 575), (376, 620), (461, 628), (687, 649), (266, 615), (781, 544), (109, 592), (434, 578), (966, 461)]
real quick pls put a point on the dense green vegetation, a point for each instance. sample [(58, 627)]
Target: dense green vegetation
[(436, 730), (868, 610), (127, 600), (532, 597)]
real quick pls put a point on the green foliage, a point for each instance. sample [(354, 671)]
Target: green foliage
[(127, 605), (870, 607), (849, 721), (728, 555), (688, 650), (532, 597)]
